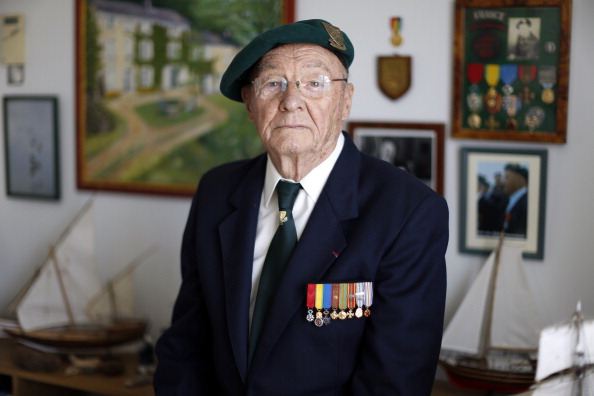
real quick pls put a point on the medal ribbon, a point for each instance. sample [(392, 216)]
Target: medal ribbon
[(335, 295), (492, 74), (474, 72), (311, 295), (508, 73), (395, 25), (327, 295), (368, 294), (319, 296), (351, 296), (547, 76), (343, 296), (527, 73)]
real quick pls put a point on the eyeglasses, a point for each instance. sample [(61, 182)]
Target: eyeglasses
[(311, 87)]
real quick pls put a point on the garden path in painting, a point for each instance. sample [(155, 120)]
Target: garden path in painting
[(142, 144)]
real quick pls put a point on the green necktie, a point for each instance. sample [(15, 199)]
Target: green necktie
[(280, 250)]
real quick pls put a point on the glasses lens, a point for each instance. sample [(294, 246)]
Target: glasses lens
[(314, 86)]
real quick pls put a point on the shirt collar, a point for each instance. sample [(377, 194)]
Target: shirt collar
[(312, 183)]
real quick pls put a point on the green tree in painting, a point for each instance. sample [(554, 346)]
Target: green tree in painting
[(238, 20), (97, 118)]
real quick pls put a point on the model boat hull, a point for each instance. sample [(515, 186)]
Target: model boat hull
[(487, 379), (84, 336)]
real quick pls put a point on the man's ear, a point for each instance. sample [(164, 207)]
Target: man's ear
[(349, 101)]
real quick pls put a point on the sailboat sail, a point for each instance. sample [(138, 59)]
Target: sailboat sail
[(515, 322), (558, 345), (102, 308), (74, 257)]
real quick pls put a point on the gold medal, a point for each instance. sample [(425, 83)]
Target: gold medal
[(396, 40), (395, 24), (342, 315), (474, 121), (547, 95)]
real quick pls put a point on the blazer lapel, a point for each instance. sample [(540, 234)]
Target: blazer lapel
[(237, 234)]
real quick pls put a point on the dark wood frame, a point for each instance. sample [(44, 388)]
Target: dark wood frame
[(472, 160), (31, 147), (84, 180), (408, 130), (553, 131)]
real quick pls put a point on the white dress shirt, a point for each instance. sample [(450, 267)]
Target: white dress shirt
[(312, 184)]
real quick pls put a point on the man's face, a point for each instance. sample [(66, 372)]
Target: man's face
[(512, 182), (290, 124)]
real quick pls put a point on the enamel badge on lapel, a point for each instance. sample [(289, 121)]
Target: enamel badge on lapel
[(282, 217), (394, 72)]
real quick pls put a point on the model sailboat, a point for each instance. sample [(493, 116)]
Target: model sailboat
[(491, 342), (566, 359), (64, 306)]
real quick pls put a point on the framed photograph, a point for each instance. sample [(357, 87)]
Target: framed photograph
[(511, 70), (503, 190), (150, 116), (31, 146), (416, 148)]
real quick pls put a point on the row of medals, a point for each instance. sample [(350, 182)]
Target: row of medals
[(321, 318), (510, 104)]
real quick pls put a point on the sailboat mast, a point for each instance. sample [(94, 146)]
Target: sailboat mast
[(62, 288), (486, 341)]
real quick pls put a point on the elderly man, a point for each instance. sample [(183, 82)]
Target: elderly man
[(312, 269)]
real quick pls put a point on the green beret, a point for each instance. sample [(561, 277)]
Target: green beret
[(312, 31), (519, 169)]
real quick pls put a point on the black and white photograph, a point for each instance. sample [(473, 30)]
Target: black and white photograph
[(415, 148)]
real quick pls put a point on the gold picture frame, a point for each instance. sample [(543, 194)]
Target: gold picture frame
[(511, 70), (150, 117)]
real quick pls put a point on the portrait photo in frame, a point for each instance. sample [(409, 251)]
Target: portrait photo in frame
[(503, 189), (417, 148), (511, 70), (150, 117), (31, 147)]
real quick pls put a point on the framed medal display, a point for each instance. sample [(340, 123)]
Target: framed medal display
[(511, 70)]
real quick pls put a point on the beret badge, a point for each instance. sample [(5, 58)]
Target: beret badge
[(335, 34)]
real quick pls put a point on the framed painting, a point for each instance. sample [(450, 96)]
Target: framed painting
[(150, 116), (503, 191), (416, 148), (31, 146), (511, 70)]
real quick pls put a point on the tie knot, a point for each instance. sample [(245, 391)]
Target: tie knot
[(287, 193)]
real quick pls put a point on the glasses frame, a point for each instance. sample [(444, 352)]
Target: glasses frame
[(285, 84)]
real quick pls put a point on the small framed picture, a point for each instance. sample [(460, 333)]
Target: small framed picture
[(416, 148), (31, 146), (503, 192)]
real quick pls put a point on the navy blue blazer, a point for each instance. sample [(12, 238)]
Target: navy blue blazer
[(372, 222)]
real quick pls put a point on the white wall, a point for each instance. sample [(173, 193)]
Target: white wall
[(127, 224)]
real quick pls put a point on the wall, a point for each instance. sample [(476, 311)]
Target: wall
[(127, 224)]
